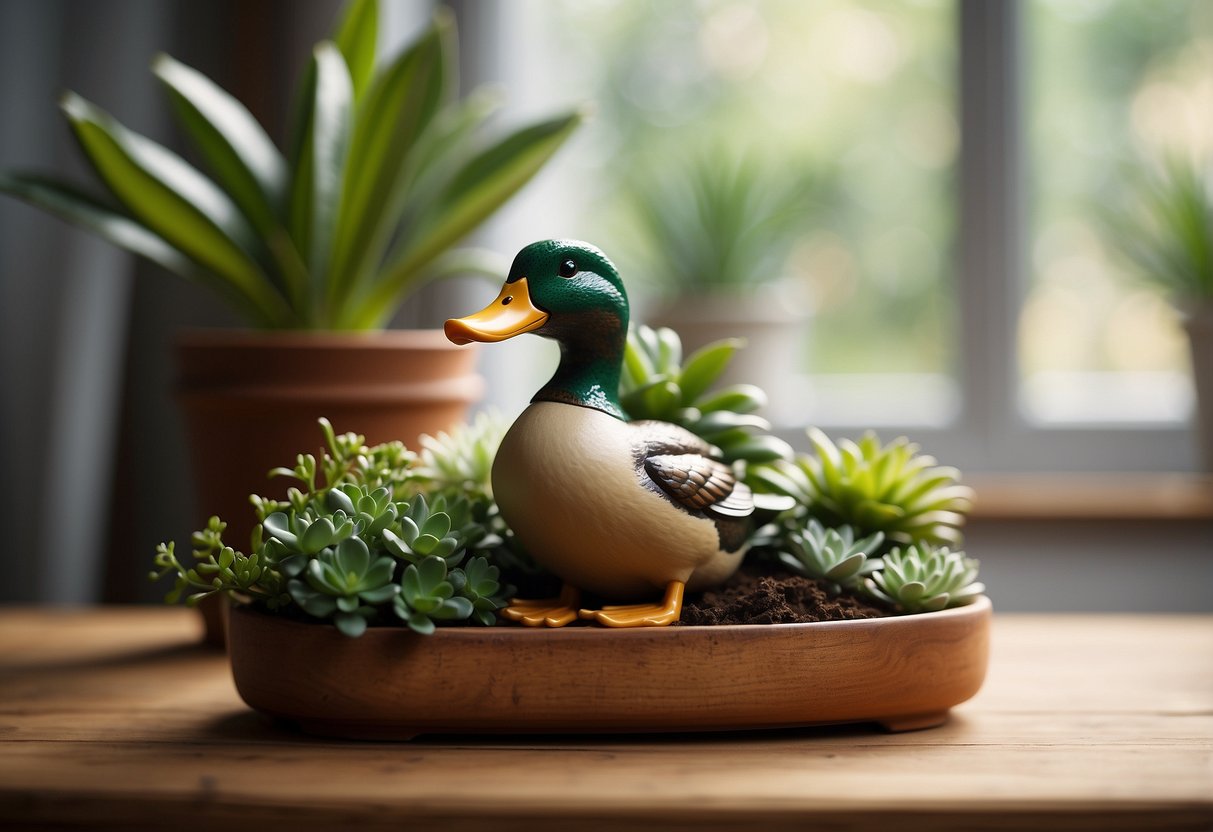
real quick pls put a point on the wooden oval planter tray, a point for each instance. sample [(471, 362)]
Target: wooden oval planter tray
[(903, 672)]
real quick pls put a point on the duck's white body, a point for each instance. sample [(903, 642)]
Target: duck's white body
[(568, 483)]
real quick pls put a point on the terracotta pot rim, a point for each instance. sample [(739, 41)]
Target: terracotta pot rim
[(978, 610), (387, 339), (467, 388)]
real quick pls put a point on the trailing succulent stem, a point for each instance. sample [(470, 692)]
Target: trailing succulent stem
[(359, 541)]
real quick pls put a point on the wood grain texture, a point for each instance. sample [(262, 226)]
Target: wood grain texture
[(114, 719)]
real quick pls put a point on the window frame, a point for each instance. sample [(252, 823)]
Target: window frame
[(990, 431)]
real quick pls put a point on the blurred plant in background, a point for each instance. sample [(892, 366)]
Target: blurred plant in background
[(716, 222), (855, 98), (863, 95)]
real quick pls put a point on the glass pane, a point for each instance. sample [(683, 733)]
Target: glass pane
[(1111, 84), (851, 103)]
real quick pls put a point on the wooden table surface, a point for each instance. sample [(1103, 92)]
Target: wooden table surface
[(114, 718)]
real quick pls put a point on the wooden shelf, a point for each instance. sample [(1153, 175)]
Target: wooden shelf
[(117, 719), (1104, 496)]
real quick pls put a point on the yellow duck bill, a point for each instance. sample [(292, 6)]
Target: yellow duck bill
[(512, 313)]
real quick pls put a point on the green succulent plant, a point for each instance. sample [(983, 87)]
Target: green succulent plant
[(482, 586), (923, 578), (872, 487), (345, 547), (1168, 232), (657, 384), (219, 568), (344, 583), (462, 461), (385, 171), (832, 555), (425, 532), (428, 595)]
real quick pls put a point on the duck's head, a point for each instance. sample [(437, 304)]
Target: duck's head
[(571, 292), (561, 289)]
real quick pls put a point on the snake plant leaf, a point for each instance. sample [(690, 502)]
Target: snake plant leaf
[(705, 366), (478, 190), (75, 206), (394, 113), (319, 165), (443, 149), (242, 157), (356, 37), (176, 201)]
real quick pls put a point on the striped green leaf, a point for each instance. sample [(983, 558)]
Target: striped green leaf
[(356, 38), (479, 189), (242, 157), (176, 201), (396, 110), (320, 164), (86, 211)]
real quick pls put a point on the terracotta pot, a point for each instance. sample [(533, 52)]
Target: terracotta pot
[(251, 401), (903, 672), (1199, 325)]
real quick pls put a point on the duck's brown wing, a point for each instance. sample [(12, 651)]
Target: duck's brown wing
[(700, 483)]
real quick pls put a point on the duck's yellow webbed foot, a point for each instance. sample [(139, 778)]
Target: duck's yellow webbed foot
[(642, 615), (550, 612)]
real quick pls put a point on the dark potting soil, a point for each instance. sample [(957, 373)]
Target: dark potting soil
[(762, 596)]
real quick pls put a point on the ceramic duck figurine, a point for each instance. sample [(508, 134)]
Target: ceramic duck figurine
[(627, 510)]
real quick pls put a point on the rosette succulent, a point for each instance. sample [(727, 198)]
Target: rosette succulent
[(923, 578), (427, 532), (657, 384), (345, 583), (890, 488), (428, 595), (832, 555), (462, 460)]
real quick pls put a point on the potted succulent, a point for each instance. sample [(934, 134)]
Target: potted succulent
[(1169, 238), (392, 566), (315, 244), (712, 231)]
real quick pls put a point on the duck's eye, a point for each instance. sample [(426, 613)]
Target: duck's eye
[(567, 269)]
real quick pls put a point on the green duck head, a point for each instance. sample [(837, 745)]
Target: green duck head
[(571, 292)]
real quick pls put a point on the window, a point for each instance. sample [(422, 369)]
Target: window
[(950, 204), (1107, 82)]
